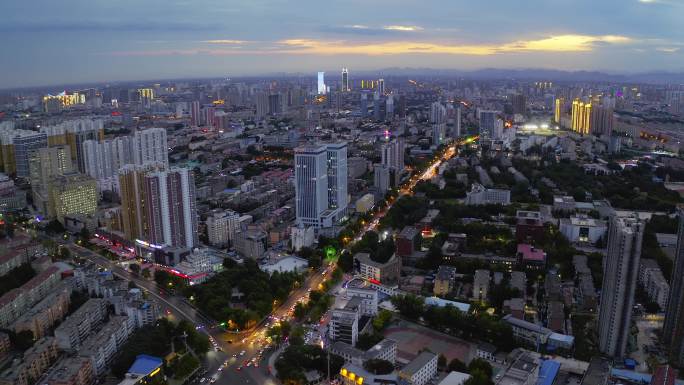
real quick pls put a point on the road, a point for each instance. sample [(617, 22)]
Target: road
[(234, 371)]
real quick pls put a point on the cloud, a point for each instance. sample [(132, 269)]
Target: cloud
[(560, 43), (402, 28), (668, 49), (224, 41)]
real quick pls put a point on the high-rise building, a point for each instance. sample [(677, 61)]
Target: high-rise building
[(381, 86), (519, 104), (673, 328), (625, 235), (172, 214), (581, 116), (222, 227), (345, 80), (17, 148), (392, 154), (45, 164), (559, 108), (74, 133), (150, 145), (337, 176), (72, 194), (103, 159), (457, 123), (488, 122), (438, 118), (158, 206), (601, 121), (195, 113), (209, 115), (321, 83), (321, 184), (262, 105), (381, 178)]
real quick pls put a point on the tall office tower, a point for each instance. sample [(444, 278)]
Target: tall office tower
[(381, 178), (488, 122), (519, 104), (262, 105), (363, 104), (602, 121), (438, 118), (222, 227), (345, 80), (381, 86), (321, 83), (171, 210), (402, 106), (311, 184), (389, 107), (673, 328), (457, 123), (150, 145), (558, 110), (321, 184), (337, 176), (625, 235), (209, 115), (581, 116)]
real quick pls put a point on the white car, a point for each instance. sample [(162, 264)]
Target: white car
[(242, 353)]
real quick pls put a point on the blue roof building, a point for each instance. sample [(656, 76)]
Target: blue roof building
[(145, 365), (548, 372)]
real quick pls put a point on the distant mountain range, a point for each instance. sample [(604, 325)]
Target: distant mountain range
[(659, 77)]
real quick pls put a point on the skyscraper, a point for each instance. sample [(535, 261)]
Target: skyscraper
[(381, 86), (172, 215), (487, 123), (601, 121), (581, 116), (158, 205), (311, 184), (457, 123), (559, 106), (103, 159), (321, 83), (150, 145), (321, 184), (625, 235), (345, 80), (673, 328), (519, 104), (438, 118), (44, 165), (195, 113), (262, 105)]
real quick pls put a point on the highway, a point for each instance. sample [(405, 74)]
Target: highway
[(228, 366)]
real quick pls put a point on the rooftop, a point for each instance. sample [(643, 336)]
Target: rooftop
[(418, 363), (145, 365)]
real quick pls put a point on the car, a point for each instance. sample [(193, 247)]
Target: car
[(242, 353), (212, 380), (203, 379), (249, 364), (235, 355), (220, 368)]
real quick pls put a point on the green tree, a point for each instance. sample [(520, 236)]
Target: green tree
[(382, 320), (457, 365), (481, 365), (409, 305), (442, 361), (378, 366)]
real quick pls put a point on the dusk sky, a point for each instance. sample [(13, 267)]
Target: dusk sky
[(66, 41)]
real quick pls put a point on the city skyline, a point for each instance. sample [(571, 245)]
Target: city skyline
[(94, 41)]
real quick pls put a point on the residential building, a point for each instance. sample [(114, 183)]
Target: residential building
[(383, 350), (17, 301), (444, 280), (625, 235), (387, 273), (407, 241), (531, 257), (673, 328), (421, 370), (653, 282), (71, 195), (150, 146), (101, 347), (529, 227), (11, 198), (515, 307), (344, 322), (17, 146), (222, 225), (78, 326), (381, 179), (479, 195), (368, 300), (486, 351), (40, 318), (455, 378), (33, 363), (481, 285), (72, 371), (251, 243)]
